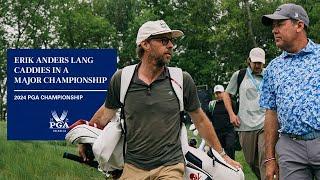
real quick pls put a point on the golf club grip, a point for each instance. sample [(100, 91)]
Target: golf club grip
[(80, 160)]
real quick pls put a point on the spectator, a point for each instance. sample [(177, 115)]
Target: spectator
[(221, 122), (250, 118)]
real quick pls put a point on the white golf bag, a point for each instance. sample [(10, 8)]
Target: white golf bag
[(107, 147)]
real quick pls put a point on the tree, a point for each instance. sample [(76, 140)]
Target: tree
[(3, 63), (122, 15), (78, 26), (3, 78), (218, 34), (249, 22)]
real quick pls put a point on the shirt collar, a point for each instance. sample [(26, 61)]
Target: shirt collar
[(261, 74), (306, 50), (163, 75)]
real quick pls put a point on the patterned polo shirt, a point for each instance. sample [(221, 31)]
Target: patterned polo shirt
[(291, 87)]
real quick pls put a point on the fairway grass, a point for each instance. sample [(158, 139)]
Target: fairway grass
[(43, 160)]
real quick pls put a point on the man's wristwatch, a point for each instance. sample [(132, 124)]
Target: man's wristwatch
[(222, 153)]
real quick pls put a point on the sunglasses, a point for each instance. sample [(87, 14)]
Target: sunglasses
[(164, 40)]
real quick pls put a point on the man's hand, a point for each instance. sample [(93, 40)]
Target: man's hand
[(82, 148), (234, 119), (232, 162), (272, 169)]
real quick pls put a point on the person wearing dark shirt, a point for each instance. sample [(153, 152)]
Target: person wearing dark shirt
[(220, 119)]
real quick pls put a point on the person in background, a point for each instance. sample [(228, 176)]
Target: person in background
[(250, 119), (291, 96), (221, 122)]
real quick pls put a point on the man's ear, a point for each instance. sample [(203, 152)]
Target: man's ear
[(248, 61), (145, 45), (300, 25)]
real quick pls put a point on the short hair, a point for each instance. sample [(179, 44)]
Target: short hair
[(295, 21)]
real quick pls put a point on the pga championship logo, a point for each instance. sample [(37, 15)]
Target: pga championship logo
[(59, 123)]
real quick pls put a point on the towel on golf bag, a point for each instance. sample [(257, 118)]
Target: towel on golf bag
[(108, 147), (84, 134), (107, 144)]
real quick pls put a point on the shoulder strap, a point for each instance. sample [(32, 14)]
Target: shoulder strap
[(176, 77), (126, 76), (242, 73)]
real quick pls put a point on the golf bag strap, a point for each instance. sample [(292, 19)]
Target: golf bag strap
[(126, 76), (242, 73), (176, 78)]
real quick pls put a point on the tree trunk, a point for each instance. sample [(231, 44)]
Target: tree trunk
[(1, 106), (1, 110), (3, 85), (249, 23)]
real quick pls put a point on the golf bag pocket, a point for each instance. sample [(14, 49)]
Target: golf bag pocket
[(108, 147)]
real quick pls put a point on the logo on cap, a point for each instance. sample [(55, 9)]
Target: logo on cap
[(163, 24)]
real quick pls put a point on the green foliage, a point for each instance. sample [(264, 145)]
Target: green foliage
[(3, 66), (216, 41), (79, 27)]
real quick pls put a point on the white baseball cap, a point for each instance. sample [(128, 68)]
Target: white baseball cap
[(151, 28), (218, 88), (257, 55)]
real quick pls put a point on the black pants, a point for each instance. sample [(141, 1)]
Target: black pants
[(227, 140)]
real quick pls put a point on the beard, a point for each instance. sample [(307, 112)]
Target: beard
[(161, 61)]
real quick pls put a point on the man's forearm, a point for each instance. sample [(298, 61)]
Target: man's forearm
[(98, 114), (228, 103), (102, 116), (205, 128), (271, 127)]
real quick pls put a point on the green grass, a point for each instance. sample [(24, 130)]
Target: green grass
[(39, 160), (249, 175), (43, 160)]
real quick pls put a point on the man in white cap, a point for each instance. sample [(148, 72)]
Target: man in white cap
[(249, 120), (151, 110), (291, 96), (221, 122)]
